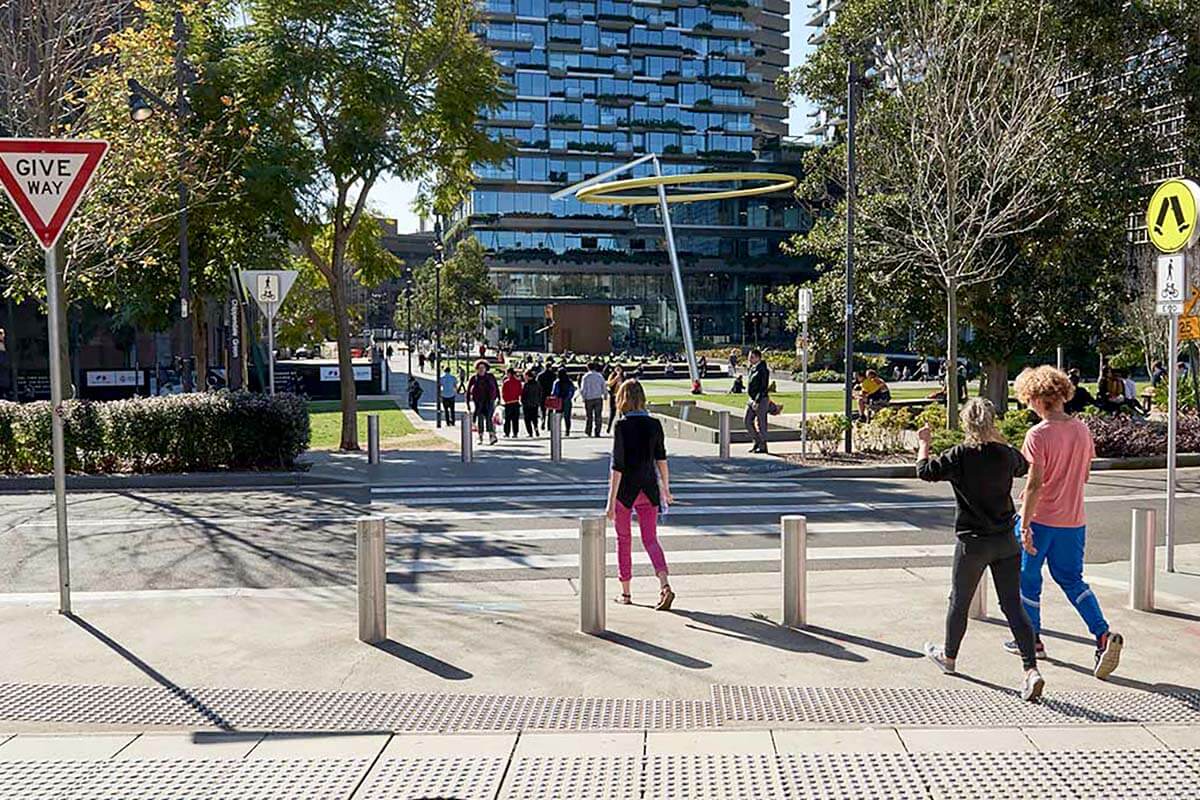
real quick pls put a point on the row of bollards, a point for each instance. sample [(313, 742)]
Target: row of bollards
[(593, 550)]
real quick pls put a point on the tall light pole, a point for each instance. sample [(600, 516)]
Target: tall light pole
[(141, 107), (439, 256), (853, 81), (408, 290)]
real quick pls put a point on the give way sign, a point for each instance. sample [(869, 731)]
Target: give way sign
[(46, 179)]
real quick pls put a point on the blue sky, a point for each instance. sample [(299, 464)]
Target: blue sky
[(393, 198)]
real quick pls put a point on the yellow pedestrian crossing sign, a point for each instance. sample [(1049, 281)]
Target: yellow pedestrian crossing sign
[(1171, 219)]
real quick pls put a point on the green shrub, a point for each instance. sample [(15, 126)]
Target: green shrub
[(825, 376), (193, 432), (933, 415), (1015, 424), (827, 430), (943, 440), (893, 418), (872, 437)]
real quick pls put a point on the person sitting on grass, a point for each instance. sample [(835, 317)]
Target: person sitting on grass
[(873, 394)]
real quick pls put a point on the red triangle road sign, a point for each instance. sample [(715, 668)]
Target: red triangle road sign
[(46, 179)]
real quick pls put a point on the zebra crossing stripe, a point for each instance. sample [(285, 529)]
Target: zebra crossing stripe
[(537, 499), (678, 531), (572, 486), (571, 560)]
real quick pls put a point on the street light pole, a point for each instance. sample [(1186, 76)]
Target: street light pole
[(852, 83), (408, 321), (439, 256), (140, 110)]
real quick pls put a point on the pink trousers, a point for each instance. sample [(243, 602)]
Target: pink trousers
[(647, 514)]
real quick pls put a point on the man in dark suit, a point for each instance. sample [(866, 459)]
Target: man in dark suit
[(759, 401)]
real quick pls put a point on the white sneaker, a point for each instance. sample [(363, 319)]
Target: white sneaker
[(938, 656), (1032, 686)]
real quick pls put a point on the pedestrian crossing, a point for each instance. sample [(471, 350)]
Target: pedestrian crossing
[(527, 531)]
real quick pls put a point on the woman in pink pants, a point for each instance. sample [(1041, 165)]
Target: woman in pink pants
[(639, 469)]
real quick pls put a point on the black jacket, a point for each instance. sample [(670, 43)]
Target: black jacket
[(760, 379), (531, 395), (638, 442), (982, 478)]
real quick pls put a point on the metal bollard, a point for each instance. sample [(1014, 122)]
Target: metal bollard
[(591, 574), (372, 438), (372, 581), (794, 554), (555, 419), (723, 433), (1141, 559), (468, 444), (979, 603)]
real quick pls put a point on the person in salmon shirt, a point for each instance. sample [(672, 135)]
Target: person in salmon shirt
[(1052, 524)]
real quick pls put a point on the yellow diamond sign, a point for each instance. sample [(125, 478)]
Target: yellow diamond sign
[(1171, 218)]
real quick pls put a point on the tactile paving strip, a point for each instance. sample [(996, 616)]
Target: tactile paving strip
[(946, 707), (992, 776), (712, 777), (325, 779), (574, 777), (850, 776), (1128, 775), (421, 778)]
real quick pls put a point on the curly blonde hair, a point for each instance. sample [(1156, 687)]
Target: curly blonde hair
[(1047, 384)]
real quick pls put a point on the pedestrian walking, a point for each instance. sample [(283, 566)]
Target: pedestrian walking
[(421, 360), (447, 392), (510, 396), (1052, 523), (615, 379), (546, 380), (593, 389), (531, 402), (981, 472), (639, 481), (564, 390), (414, 393), (758, 401), (482, 394)]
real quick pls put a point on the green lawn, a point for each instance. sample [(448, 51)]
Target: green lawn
[(818, 402), (325, 419)]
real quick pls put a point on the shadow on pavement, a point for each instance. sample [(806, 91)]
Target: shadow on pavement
[(760, 630), (154, 675), (431, 664), (862, 641), (680, 659)]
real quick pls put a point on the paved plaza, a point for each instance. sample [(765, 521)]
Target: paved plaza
[(214, 651)]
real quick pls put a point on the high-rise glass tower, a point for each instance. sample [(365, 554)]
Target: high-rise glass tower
[(595, 84)]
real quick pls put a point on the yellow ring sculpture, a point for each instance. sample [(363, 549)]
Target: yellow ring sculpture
[(610, 192)]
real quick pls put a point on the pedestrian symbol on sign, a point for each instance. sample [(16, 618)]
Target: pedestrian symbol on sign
[(268, 288)]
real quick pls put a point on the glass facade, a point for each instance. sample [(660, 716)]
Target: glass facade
[(596, 83)]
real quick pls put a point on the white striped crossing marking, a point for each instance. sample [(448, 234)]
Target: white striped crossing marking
[(715, 531), (538, 499), (571, 560), (519, 516), (572, 486)]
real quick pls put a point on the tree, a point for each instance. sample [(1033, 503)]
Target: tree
[(359, 89), (963, 148), (466, 288)]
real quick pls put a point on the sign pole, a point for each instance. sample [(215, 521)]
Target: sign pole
[(804, 394), (271, 345), (1172, 434), (54, 317)]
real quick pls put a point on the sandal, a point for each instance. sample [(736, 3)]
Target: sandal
[(623, 599), (665, 599)]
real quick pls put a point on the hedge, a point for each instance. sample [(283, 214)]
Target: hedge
[(1120, 435), (176, 433)]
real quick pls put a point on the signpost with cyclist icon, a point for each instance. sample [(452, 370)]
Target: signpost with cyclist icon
[(269, 288)]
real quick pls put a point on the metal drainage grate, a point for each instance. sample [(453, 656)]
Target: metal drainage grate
[(575, 777), (326, 779), (419, 778), (946, 707)]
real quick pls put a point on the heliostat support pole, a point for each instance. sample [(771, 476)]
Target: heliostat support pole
[(685, 324), (54, 312)]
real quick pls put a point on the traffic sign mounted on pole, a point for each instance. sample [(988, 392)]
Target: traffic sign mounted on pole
[(1171, 285), (269, 287), (1171, 217), (46, 179)]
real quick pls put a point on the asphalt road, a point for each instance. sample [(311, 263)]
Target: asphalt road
[(263, 538)]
